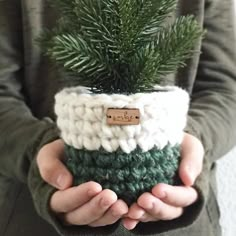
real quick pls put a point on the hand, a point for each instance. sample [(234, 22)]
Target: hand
[(167, 202), (86, 204), (51, 168)]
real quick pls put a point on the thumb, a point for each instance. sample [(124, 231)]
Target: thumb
[(51, 168), (192, 153)]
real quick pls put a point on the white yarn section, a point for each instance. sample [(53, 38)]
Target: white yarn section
[(81, 117)]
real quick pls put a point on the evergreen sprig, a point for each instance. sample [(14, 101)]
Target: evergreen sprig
[(168, 52), (120, 46)]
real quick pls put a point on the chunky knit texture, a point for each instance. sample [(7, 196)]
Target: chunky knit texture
[(127, 159), (82, 119), (129, 175)]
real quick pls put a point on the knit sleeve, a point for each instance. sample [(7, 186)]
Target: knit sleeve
[(18, 127), (21, 134), (212, 114)]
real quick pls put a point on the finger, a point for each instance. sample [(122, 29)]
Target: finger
[(192, 153), (51, 168), (68, 200), (135, 212), (158, 209), (179, 196), (92, 210), (138, 213), (53, 171), (129, 223), (117, 210)]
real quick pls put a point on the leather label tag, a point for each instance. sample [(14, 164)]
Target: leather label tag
[(123, 116)]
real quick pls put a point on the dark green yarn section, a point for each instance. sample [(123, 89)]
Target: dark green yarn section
[(129, 175)]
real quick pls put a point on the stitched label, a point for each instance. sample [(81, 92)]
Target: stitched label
[(123, 116)]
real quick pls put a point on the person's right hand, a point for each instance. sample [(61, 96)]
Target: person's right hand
[(86, 204)]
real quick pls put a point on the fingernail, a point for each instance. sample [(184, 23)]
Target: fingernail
[(190, 173), (115, 214), (162, 194), (61, 181), (91, 193), (149, 206), (191, 178), (104, 202), (130, 225), (141, 216)]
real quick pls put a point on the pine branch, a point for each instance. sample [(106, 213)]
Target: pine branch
[(120, 46), (172, 47), (100, 24), (80, 59), (75, 55), (141, 20), (153, 14), (99, 21)]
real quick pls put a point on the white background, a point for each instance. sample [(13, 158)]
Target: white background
[(226, 179)]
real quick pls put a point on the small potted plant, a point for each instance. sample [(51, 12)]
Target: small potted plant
[(121, 128)]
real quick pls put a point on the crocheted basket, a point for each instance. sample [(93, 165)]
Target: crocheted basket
[(128, 159)]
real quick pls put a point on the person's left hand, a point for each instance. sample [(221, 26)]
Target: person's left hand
[(166, 202)]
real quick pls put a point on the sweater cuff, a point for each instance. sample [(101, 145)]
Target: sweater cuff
[(41, 192), (49, 134)]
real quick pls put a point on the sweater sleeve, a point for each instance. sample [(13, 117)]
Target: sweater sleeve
[(212, 114), (21, 133)]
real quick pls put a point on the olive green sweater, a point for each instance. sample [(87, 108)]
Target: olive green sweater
[(27, 86)]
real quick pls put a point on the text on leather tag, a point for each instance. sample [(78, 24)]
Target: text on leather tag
[(124, 116)]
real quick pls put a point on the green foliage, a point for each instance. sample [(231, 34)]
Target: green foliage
[(120, 46)]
